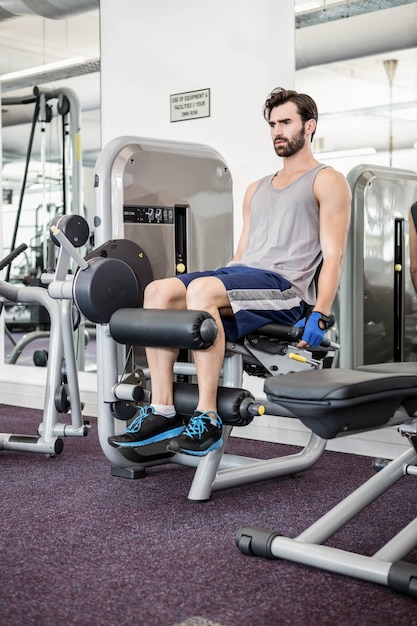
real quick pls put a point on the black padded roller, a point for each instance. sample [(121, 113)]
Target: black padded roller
[(232, 403), (189, 330)]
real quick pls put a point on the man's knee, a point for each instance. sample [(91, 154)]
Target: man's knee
[(205, 291), (163, 293)]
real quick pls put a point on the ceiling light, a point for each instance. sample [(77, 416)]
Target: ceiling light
[(57, 65)]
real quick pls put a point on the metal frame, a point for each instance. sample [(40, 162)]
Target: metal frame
[(385, 567), (351, 318), (218, 469), (48, 439)]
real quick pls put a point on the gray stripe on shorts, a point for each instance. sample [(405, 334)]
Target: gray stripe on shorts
[(262, 299)]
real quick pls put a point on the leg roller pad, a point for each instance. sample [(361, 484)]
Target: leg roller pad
[(232, 404), (189, 330)]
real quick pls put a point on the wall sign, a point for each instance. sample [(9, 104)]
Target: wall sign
[(190, 105)]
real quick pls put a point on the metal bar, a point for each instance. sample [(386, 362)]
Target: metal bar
[(400, 545), (398, 304), (331, 559), (348, 508), (271, 468)]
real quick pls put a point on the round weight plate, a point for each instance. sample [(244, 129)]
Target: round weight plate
[(132, 254), (106, 286), (62, 403), (74, 227), (123, 411)]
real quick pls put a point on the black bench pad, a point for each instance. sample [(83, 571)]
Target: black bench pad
[(333, 401)]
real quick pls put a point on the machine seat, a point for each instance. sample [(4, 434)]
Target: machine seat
[(335, 401)]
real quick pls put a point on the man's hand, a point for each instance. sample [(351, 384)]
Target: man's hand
[(314, 329)]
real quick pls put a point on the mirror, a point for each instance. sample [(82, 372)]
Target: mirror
[(50, 89)]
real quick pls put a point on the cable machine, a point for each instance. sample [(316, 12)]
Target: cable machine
[(48, 104)]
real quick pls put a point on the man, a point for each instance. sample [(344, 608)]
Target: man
[(293, 221)]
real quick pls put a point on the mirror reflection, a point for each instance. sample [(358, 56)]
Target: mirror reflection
[(50, 89)]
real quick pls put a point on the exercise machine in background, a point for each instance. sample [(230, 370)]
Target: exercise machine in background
[(62, 394), (58, 182)]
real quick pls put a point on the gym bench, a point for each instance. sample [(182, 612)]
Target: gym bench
[(335, 402)]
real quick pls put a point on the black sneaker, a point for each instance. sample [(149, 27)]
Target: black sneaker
[(148, 427), (201, 435)]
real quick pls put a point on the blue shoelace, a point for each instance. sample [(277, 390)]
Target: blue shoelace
[(136, 425), (198, 424)]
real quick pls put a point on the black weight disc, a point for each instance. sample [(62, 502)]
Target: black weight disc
[(74, 227), (106, 286), (132, 254)]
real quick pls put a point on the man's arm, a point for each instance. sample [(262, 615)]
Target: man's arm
[(334, 197), (244, 235)]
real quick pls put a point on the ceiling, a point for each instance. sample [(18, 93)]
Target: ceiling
[(359, 106)]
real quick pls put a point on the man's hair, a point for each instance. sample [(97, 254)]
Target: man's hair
[(306, 107)]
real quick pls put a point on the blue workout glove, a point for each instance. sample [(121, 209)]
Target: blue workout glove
[(314, 329)]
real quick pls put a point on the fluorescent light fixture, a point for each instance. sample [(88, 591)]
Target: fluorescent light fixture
[(341, 154), (30, 71)]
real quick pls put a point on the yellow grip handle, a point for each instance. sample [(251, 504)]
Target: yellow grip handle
[(297, 357)]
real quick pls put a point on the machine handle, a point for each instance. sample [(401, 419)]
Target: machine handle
[(12, 255), (291, 334), (69, 248), (398, 304)]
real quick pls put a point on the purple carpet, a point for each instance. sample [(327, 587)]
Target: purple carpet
[(81, 547)]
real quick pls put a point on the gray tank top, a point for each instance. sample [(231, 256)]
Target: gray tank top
[(284, 232)]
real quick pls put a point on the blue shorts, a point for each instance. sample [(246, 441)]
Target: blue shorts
[(257, 297)]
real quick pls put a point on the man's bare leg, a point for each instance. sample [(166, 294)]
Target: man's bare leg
[(168, 293), (204, 431), (209, 294), (203, 294), (158, 422)]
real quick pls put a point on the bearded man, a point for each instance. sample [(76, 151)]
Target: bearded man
[(294, 221)]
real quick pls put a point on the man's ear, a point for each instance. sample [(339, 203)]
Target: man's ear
[(310, 126)]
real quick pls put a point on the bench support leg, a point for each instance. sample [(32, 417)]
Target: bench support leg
[(384, 567)]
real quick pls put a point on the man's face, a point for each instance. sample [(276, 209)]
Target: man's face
[(287, 130)]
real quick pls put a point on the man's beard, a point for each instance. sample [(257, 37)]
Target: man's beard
[(292, 146)]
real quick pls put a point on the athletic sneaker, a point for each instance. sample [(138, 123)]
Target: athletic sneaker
[(148, 427), (201, 435)]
